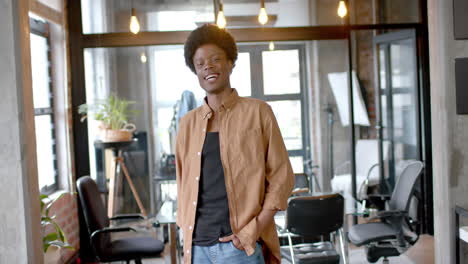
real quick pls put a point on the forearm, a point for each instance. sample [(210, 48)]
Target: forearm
[(264, 218)]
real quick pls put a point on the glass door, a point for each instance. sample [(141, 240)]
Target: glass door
[(398, 118)]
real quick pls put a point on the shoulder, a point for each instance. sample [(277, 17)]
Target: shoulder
[(191, 116), (254, 103)]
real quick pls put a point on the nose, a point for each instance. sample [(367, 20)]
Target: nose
[(208, 66)]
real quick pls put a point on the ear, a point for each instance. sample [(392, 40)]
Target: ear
[(231, 66)]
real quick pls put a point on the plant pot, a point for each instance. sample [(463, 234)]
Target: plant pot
[(118, 135), (52, 255)]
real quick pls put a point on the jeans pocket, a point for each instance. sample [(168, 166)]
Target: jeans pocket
[(234, 247)]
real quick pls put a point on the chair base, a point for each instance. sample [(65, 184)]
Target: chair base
[(375, 252), (316, 253)]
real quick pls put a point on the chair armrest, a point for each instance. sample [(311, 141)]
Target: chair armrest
[(111, 230), (127, 216), (390, 214)]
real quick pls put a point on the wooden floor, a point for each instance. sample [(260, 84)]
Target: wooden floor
[(422, 251)]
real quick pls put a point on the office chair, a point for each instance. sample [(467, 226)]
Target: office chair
[(97, 222), (309, 216), (395, 233)]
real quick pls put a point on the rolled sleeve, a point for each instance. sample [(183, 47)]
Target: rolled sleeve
[(278, 170), (179, 157)]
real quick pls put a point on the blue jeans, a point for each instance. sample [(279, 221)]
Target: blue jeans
[(225, 253)]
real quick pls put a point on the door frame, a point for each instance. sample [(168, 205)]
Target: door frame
[(423, 126)]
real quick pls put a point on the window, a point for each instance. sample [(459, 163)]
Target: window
[(43, 106), (280, 81)]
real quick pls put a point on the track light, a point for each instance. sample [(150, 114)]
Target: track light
[(134, 24), (262, 15)]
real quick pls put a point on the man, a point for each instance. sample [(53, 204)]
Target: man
[(233, 170)]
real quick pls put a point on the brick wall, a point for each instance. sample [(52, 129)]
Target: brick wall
[(365, 71), (66, 212)]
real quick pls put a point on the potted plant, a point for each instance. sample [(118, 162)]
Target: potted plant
[(53, 240), (112, 114)]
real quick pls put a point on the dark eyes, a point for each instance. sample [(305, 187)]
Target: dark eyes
[(200, 64)]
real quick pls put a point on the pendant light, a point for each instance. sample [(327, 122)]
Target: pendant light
[(342, 10), (143, 57), (271, 46), (134, 24), (221, 19), (262, 15)]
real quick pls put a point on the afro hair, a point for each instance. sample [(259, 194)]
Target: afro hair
[(209, 34)]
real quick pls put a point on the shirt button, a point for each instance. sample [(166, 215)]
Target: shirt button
[(188, 251), (194, 203), (196, 178), (204, 129), (190, 227), (199, 153)]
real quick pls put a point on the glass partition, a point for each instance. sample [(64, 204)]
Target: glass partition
[(155, 77)]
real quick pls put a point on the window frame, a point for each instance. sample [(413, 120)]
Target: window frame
[(257, 88), (41, 28)]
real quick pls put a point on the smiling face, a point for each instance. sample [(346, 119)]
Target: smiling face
[(213, 68)]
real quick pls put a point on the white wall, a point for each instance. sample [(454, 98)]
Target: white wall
[(449, 130)]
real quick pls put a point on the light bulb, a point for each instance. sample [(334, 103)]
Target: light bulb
[(221, 19), (262, 16), (134, 24), (143, 58), (271, 46), (342, 10)]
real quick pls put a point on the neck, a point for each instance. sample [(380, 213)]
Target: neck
[(215, 100)]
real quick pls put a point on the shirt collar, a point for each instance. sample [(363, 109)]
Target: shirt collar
[(226, 104)]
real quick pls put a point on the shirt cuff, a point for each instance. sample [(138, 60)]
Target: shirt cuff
[(275, 201)]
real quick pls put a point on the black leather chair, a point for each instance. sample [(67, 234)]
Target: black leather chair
[(97, 222), (309, 216), (395, 233)]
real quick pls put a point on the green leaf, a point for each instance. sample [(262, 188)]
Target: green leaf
[(113, 111), (60, 232), (58, 244), (49, 205), (50, 237), (46, 218)]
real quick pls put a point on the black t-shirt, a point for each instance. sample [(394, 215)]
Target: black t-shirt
[(212, 217)]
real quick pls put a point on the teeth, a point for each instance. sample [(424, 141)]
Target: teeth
[(210, 76)]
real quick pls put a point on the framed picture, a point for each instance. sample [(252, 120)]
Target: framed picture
[(460, 19)]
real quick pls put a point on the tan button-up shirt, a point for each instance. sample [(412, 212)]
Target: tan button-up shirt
[(256, 166)]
